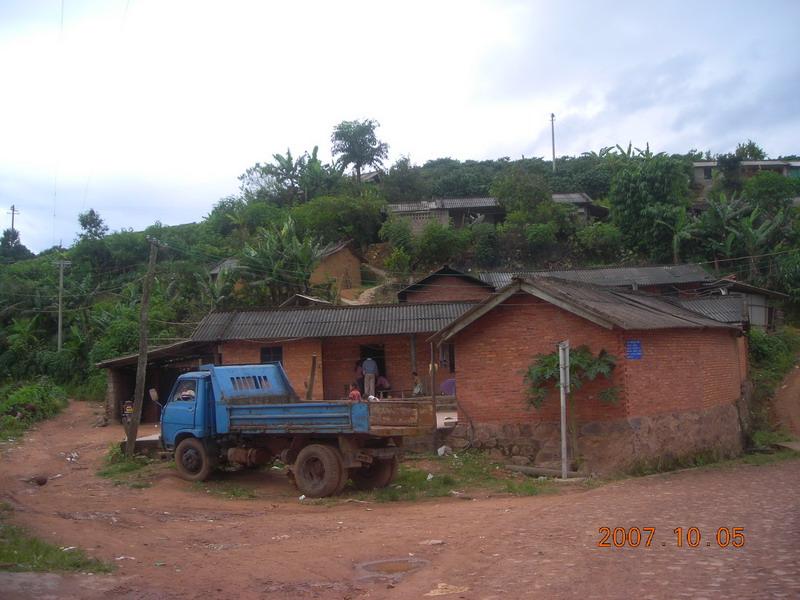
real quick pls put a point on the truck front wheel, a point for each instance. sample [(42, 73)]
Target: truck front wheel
[(318, 471), (377, 475), (192, 460)]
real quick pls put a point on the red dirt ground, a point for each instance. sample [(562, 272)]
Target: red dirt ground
[(186, 544)]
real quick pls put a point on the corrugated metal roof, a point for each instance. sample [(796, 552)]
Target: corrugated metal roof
[(611, 277), (322, 321), (176, 350), (726, 309), (444, 204), (627, 310), (573, 198), (402, 207), (485, 202), (333, 248), (605, 306)]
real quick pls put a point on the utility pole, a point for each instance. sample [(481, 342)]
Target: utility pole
[(13, 212), (553, 137), (563, 368), (141, 366), (61, 264)]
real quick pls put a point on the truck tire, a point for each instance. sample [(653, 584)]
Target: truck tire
[(318, 471), (377, 475), (192, 460)]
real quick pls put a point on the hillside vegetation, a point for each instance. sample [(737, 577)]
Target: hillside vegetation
[(289, 208)]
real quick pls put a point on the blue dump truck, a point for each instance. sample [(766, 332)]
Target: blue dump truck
[(249, 415)]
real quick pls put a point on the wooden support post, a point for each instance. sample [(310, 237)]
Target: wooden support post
[(433, 368), (413, 352), (141, 366), (311, 378)]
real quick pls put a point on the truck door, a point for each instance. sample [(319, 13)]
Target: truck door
[(179, 414)]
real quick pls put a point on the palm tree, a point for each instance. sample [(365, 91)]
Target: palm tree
[(356, 144)]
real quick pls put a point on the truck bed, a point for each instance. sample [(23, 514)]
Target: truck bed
[(382, 418)]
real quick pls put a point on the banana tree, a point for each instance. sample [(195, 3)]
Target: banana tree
[(758, 235), (683, 228)]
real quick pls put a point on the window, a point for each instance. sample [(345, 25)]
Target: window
[(706, 172), (271, 355)]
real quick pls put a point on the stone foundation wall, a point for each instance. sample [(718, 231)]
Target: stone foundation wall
[(611, 446)]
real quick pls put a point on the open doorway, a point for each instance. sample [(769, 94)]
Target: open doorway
[(375, 352)]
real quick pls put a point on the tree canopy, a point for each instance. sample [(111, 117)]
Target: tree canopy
[(355, 143)]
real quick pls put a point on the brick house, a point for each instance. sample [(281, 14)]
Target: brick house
[(394, 335), (678, 375)]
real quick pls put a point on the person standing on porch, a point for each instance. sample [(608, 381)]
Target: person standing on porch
[(370, 368)]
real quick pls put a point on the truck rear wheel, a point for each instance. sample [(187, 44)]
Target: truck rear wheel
[(192, 460), (318, 471), (379, 474)]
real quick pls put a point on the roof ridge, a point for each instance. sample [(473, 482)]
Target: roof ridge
[(339, 306)]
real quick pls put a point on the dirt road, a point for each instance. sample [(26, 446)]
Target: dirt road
[(181, 543)]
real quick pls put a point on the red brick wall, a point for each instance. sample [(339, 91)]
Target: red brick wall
[(682, 370), (296, 361), (492, 353), (446, 288), (340, 355)]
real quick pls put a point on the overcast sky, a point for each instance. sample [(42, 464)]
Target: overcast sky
[(148, 110)]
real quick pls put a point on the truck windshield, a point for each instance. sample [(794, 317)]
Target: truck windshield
[(187, 390)]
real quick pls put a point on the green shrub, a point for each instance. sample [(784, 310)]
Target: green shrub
[(541, 236), (33, 402), (398, 262), (438, 244), (397, 232), (772, 356), (602, 241), (486, 244)]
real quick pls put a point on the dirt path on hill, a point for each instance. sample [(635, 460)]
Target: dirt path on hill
[(368, 295), (787, 403), (175, 541)]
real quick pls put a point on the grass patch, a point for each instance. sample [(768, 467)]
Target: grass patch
[(766, 438), (225, 490), (20, 551), (766, 458), (134, 472), (466, 473)]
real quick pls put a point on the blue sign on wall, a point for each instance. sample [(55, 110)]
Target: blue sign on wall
[(633, 349)]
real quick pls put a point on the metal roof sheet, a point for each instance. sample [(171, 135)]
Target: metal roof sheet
[(573, 198), (627, 310), (327, 321), (610, 277), (484, 202), (444, 204), (725, 309)]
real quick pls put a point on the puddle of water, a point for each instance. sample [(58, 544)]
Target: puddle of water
[(391, 568)]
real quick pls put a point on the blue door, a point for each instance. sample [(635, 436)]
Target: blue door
[(179, 413)]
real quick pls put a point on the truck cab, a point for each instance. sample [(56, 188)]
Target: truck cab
[(187, 408)]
